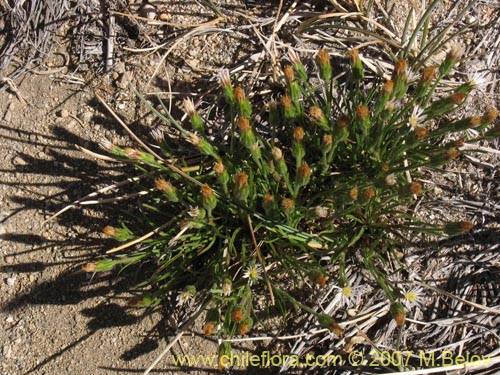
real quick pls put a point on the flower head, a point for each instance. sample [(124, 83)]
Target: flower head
[(477, 80), (413, 297), (417, 117), (185, 295), (253, 273)]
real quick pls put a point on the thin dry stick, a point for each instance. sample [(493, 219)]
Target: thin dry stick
[(93, 194), (261, 261), (137, 240), (127, 129), (162, 354)]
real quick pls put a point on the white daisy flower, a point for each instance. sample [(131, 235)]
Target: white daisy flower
[(417, 117), (253, 273), (350, 295), (477, 80), (185, 295), (413, 297)]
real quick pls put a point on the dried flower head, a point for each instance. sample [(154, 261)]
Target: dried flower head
[(321, 280), (420, 132), (415, 188), (277, 153), (400, 69), (109, 231), (286, 102), (353, 193), (89, 267), (491, 115), (245, 326), (387, 87), (362, 112), (287, 205), (452, 153), (237, 315), (244, 124), (241, 180), (209, 328), (342, 122), (289, 73), (428, 74), (390, 179), (239, 94), (206, 191), (224, 78), (298, 134), (368, 194), (321, 212), (457, 98), (189, 107), (219, 168)]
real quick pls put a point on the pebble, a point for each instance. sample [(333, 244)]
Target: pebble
[(165, 17), (9, 319), (19, 161), (86, 116), (124, 81), (64, 113), (11, 281)]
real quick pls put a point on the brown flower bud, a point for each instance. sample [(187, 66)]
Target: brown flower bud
[(219, 168), (287, 205), (428, 74), (289, 73), (400, 68), (353, 193), (239, 94), (368, 194), (342, 121), (237, 315), (298, 133), (420, 132), (244, 124), (209, 328), (415, 188), (388, 87), (362, 112), (241, 180), (286, 102), (109, 231)]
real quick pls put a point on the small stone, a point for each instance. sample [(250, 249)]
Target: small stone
[(11, 281), (148, 11), (9, 259), (64, 113), (124, 81), (119, 68), (9, 319), (18, 161), (165, 17), (86, 116)]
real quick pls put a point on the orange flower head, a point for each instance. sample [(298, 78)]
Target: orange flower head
[(298, 133), (237, 315)]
